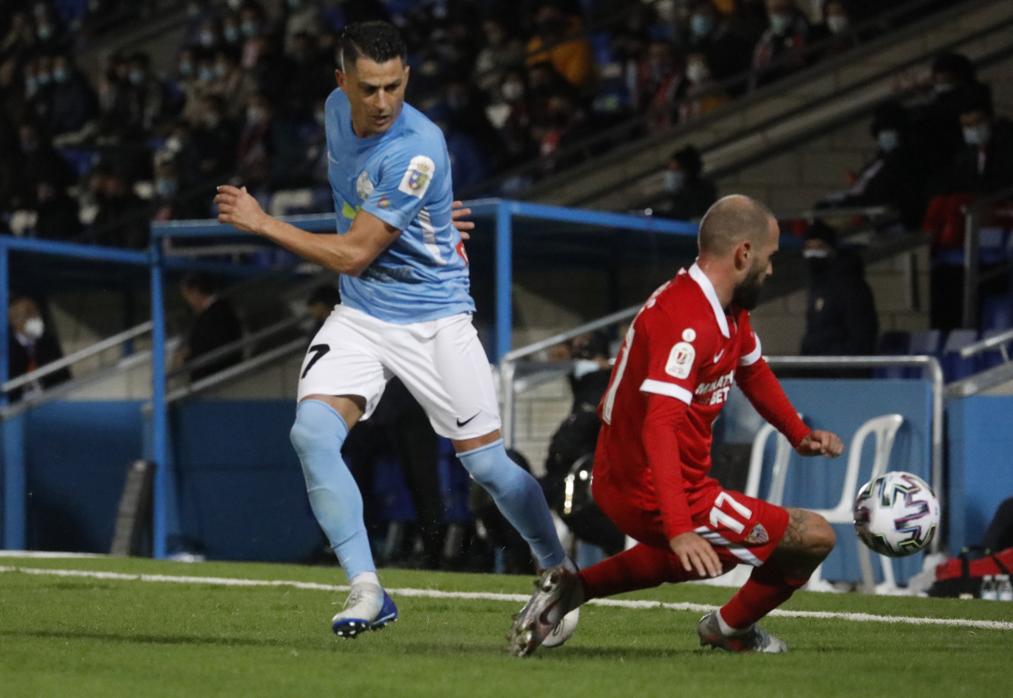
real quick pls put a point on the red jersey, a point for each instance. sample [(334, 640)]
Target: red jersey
[(682, 345)]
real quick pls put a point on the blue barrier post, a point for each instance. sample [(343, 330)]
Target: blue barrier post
[(504, 280), (160, 410), (14, 487)]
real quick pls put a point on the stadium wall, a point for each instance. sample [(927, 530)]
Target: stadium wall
[(980, 463)]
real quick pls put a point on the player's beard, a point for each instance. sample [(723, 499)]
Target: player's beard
[(747, 294)]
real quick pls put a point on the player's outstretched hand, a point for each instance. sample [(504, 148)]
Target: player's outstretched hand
[(239, 208), (821, 443), (696, 554), (458, 213)]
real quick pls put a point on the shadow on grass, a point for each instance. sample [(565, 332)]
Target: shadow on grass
[(132, 638)]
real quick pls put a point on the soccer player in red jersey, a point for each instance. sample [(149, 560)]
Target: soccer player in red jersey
[(685, 349)]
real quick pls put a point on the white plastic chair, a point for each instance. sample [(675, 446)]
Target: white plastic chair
[(775, 494), (884, 430)]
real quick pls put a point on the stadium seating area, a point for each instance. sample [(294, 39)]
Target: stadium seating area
[(240, 98)]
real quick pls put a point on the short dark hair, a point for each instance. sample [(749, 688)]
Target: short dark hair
[(689, 161), (377, 41), (202, 283)]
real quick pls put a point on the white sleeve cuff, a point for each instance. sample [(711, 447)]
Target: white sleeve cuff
[(753, 356), (669, 389)]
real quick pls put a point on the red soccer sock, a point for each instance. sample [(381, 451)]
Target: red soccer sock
[(640, 567), (765, 590)]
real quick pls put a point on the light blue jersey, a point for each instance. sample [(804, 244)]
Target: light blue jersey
[(403, 178)]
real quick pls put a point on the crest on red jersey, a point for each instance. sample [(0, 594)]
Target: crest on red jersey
[(758, 536)]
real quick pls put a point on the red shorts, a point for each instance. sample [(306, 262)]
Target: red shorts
[(742, 529)]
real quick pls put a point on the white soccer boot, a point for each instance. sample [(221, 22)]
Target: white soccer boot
[(368, 607), (752, 639), (557, 592)]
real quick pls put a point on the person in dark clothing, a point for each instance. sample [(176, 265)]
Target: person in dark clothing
[(781, 50), (936, 124), (894, 175), (57, 213), (215, 325), (122, 218), (985, 163), (688, 194), (999, 535), (727, 52), (31, 344), (73, 102), (840, 312), (571, 447)]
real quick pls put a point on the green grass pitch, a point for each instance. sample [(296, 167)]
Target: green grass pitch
[(81, 636)]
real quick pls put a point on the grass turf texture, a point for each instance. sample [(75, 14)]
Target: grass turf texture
[(90, 637)]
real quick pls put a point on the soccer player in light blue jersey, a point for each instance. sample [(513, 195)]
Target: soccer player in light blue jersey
[(405, 311)]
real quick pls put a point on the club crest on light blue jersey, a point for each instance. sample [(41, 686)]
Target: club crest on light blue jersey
[(403, 178)]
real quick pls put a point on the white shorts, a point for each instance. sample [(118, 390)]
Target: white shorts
[(440, 362)]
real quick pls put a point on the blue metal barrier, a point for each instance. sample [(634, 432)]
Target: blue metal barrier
[(502, 213)]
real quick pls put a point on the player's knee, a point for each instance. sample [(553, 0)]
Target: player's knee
[(821, 536)]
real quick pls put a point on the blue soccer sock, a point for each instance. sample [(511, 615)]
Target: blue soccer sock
[(317, 435), (519, 498)]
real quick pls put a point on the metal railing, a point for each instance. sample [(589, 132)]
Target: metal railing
[(996, 341), (973, 216), (930, 365)]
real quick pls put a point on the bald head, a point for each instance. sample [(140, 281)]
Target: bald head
[(731, 220)]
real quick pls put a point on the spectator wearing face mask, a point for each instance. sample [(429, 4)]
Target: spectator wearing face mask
[(256, 142), (72, 100), (214, 139), (781, 49), (985, 163), (661, 84), (840, 310), (834, 33), (703, 94), (711, 34), (499, 53), (936, 124), (893, 176), (31, 344), (688, 194)]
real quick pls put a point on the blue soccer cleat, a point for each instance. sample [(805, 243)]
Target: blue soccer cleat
[(359, 613)]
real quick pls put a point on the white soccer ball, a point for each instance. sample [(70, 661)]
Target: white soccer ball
[(896, 514)]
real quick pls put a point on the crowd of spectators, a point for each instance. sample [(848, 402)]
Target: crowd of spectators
[(242, 96)]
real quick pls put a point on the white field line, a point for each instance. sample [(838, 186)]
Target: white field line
[(489, 596)]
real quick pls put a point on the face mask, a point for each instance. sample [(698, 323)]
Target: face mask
[(205, 74), (186, 69), (294, 4), (512, 91), (674, 180), (231, 34), (320, 117), (248, 29), (207, 39), (212, 120), (235, 4), (34, 328), (888, 140), (837, 23), (976, 135), (780, 22), (60, 75), (31, 85), (43, 78), (701, 25), (136, 77), (166, 188), (44, 32), (816, 254), (697, 72), (221, 70), (582, 367), (255, 115), (942, 88), (173, 144)]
